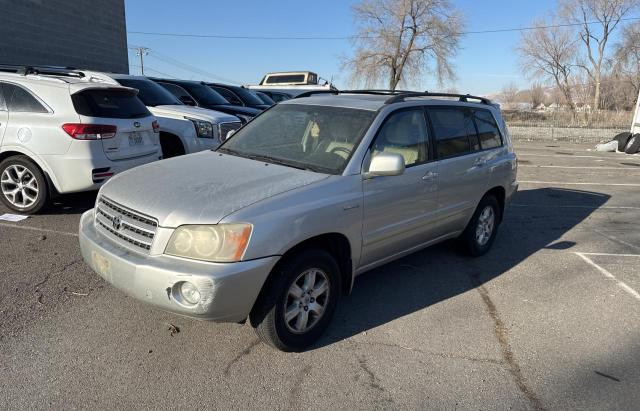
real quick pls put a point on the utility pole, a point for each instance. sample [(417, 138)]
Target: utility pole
[(141, 52)]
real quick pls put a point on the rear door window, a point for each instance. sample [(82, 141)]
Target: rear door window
[(487, 130), (3, 107), (405, 133), (20, 100), (454, 131), (109, 103)]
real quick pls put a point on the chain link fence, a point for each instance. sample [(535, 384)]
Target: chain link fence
[(579, 127)]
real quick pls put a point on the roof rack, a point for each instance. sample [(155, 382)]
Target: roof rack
[(397, 96), (412, 94), (50, 70)]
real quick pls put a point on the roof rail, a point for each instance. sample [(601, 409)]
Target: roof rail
[(50, 70), (412, 94), (397, 96)]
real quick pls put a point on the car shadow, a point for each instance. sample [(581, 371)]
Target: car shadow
[(75, 203), (535, 220)]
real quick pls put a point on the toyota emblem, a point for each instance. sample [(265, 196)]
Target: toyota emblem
[(117, 223), (136, 124)]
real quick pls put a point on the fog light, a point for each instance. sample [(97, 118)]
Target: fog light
[(190, 292)]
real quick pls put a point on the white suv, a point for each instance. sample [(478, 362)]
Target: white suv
[(183, 129), (62, 133)]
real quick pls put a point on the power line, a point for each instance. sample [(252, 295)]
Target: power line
[(231, 37), (187, 67), (155, 71)]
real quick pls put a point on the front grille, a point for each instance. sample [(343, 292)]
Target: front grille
[(226, 127), (125, 227)]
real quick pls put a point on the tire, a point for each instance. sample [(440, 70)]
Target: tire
[(171, 146), (633, 145), (472, 240), (623, 140), (23, 187), (268, 314)]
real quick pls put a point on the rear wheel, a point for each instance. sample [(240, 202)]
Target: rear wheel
[(633, 145), (23, 186), (296, 305), (481, 231)]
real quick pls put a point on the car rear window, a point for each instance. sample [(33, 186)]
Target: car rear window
[(454, 131), (109, 103)]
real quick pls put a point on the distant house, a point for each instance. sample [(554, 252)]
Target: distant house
[(540, 107)]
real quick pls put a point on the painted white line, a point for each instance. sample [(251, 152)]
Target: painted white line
[(574, 206), (581, 167), (573, 156), (42, 230), (607, 274), (579, 184), (616, 239), (611, 255)]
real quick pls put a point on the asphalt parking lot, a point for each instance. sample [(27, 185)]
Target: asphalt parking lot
[(549, 319)]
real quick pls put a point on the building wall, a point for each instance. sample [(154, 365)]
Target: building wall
[(88, 34)]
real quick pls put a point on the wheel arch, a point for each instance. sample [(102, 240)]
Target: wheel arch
[(52, 184), (500, 194), (170, 135)]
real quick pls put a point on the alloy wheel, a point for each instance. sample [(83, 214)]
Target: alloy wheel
[(486, 223), (19, 186), (306, 300)]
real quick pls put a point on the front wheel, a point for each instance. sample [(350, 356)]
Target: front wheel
[(23, 187), (298, 302), (481, 231)]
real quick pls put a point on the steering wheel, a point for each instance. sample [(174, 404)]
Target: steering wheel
[(345, 150)]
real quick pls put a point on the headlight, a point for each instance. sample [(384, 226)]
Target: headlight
[(204, 129), (221, 243), (244, 118)]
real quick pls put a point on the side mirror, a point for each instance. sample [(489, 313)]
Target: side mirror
[(229, 134), (385, 164), (187, 100)]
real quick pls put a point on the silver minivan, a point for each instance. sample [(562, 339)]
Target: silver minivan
[(275, 224)]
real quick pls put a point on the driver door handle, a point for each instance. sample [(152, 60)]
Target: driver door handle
[(430, 176)]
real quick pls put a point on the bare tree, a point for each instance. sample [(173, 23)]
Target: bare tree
[(536, 94), (509, 95), (548, 52), (626, 61), (607, 15), (398, 41)]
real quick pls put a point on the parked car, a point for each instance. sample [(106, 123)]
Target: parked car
[(197, 93), (239, 96), (265, 98), (276, 224), (276, 96), (183, 129), (292, 83), (61, 133)]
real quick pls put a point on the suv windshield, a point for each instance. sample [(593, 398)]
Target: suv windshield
[(109, 103), (316, 138), (204, 94), (247, 96), (151, 94)]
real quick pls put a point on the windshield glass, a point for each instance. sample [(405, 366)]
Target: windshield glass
[(316, 138), (205, 95), (248, 96), (151, 94)]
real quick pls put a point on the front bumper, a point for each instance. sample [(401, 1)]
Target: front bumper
[(228, 290)]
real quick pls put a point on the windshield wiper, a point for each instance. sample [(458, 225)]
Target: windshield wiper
[(267, 159)]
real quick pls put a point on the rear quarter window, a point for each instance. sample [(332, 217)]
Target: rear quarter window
[(487, 130), (20, 100), (109, 103), (454, 131)]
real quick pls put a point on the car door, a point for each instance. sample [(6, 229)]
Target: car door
[(4, 115), (462, 166), (399, 210)]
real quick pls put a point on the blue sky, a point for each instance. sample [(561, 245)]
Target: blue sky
[(484, 64)]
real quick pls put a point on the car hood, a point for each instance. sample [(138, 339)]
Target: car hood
[(229, 108), (181, 111), (202, 188)]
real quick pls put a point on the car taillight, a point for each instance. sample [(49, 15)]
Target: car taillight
[(89, 131), (156, 126)]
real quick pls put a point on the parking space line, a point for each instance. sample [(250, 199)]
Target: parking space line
[(607, 274), (611, 254), (575, 206), (581, 167), (45, 230), (579, 184), (573, 156)]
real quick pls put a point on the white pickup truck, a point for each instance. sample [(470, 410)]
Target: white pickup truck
[(292, 83)]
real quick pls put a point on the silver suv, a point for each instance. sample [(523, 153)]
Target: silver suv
[(277, 222), (60, 132)]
